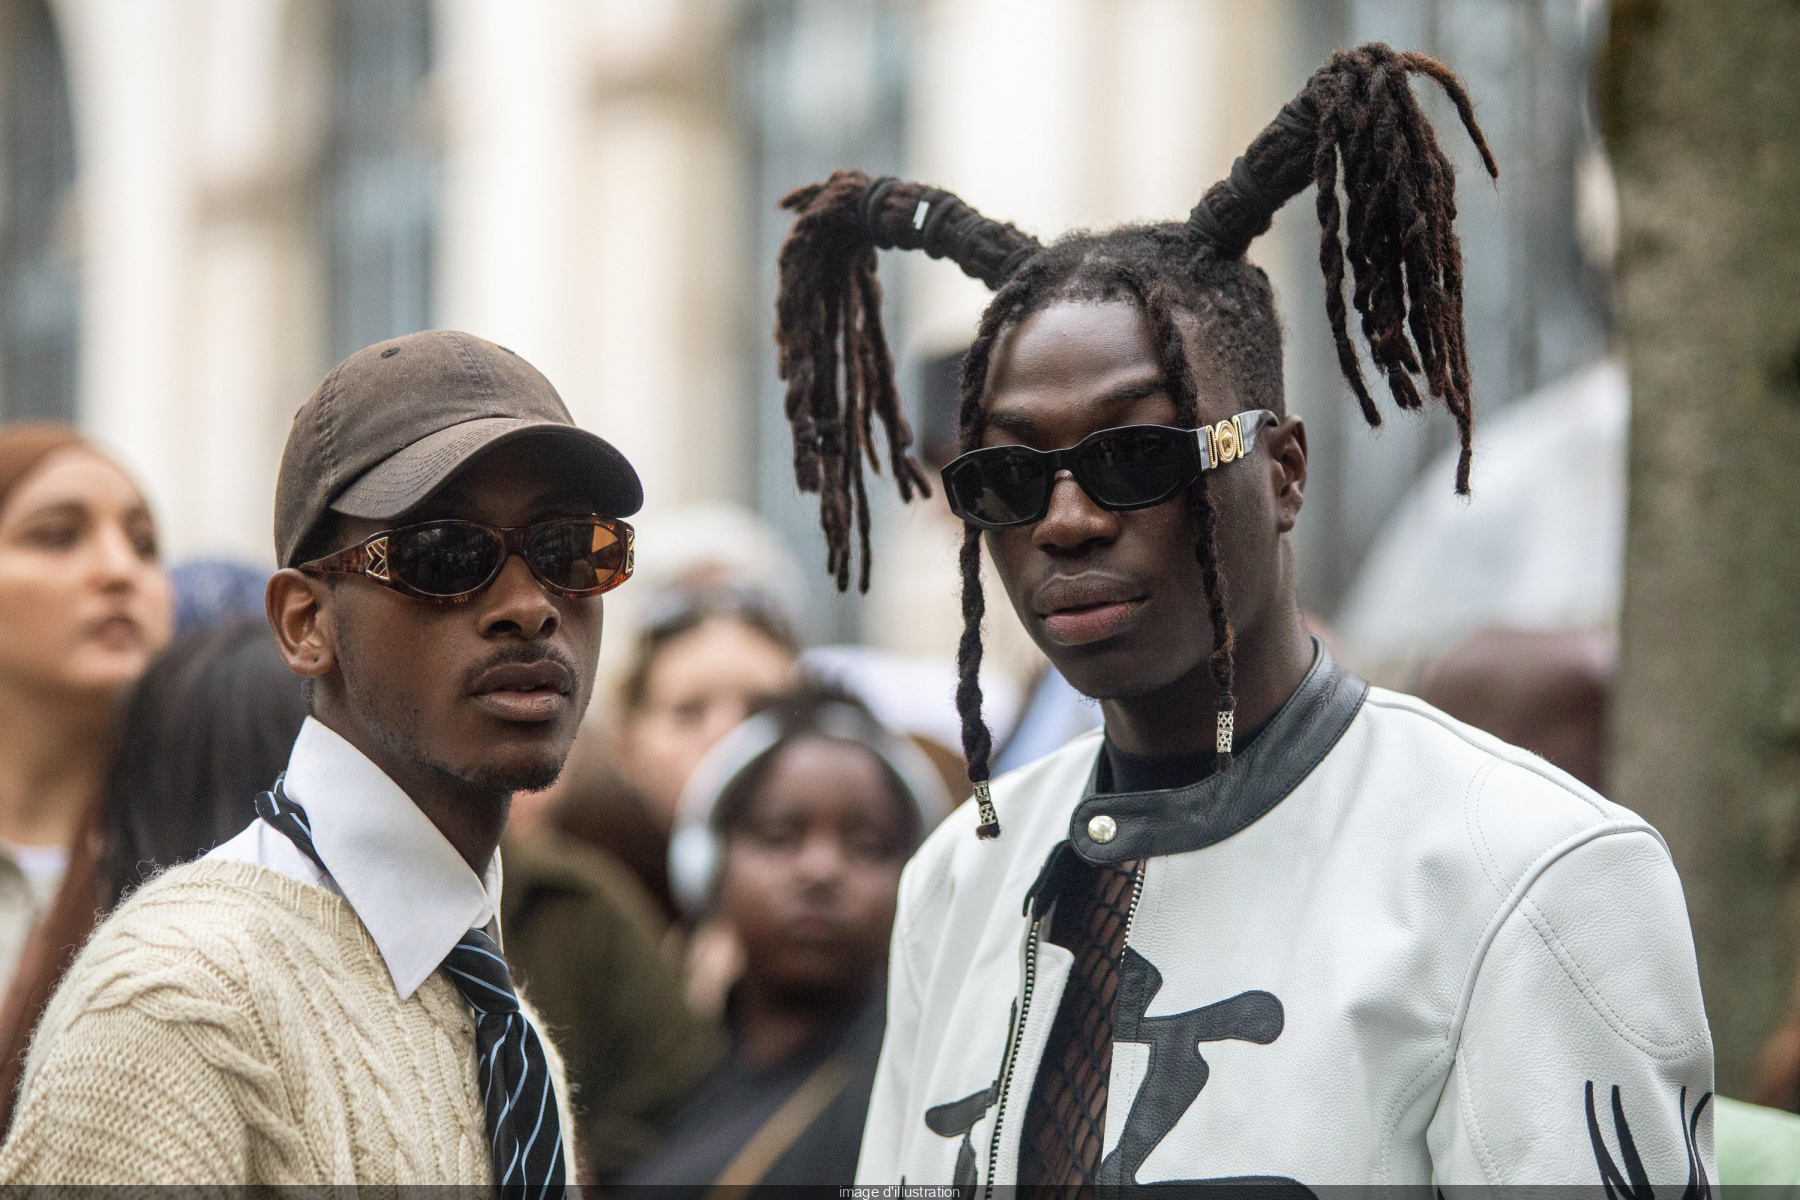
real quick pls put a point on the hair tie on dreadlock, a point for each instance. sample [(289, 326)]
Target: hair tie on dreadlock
[(1253, 211), (871, 208), (1243, 179), (1240, 208), (943, 234), (1207, 230), (1011, 264), (1299, 116), (943, 226), (1256, 213)]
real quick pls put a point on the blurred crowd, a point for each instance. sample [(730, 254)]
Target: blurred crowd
[(700, 907)]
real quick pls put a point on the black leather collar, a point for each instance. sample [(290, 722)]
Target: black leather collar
[(1284, 752)]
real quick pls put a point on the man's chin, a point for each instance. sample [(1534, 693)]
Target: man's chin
[(1116, 672), (523, 775), (522, 758)]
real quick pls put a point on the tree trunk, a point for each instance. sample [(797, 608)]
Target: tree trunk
[(1701, 99)]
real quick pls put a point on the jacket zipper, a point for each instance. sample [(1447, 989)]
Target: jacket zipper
[(1137, 890), (1012, 1050), (1018, 1030)]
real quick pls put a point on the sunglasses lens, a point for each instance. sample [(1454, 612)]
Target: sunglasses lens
[(581, 555), (446, 558), (1133, 467), (1002, 486)]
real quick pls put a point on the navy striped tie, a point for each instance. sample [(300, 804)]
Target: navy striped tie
[(524, 1130)]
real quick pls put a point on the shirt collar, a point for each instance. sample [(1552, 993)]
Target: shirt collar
[(410, 888), (1282, 754)]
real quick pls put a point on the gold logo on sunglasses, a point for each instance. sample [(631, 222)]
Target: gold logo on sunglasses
[(1225, 437), (377, 551)]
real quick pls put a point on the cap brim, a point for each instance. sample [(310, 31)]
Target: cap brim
[(409, 477)]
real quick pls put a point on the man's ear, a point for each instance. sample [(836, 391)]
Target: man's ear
[(301, 618), (1287, 469)]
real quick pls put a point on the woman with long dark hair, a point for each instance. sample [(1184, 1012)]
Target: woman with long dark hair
[(84, 607)]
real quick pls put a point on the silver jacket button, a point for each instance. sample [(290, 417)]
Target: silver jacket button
[(1103, 828)]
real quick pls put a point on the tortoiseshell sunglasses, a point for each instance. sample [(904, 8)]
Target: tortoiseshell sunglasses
[(448, 562)]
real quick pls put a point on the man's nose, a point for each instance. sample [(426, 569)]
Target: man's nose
[(1073, 519), (516, 605)]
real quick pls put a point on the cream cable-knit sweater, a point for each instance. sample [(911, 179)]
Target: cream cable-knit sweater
[(229, 1024)]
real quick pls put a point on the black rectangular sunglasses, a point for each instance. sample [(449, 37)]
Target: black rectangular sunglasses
[(1131, 466)]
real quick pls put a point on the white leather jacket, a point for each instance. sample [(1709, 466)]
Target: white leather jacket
[(1384, 948)]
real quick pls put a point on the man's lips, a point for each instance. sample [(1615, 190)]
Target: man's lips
[(1078, 609), (535, 691), (1079, 626)]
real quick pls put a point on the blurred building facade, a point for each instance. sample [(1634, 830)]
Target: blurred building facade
[(207, 202)]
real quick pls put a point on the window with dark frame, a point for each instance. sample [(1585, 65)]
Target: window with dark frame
[(382, 189), (40, 293)]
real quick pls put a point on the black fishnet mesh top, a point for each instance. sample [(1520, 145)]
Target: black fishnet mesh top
[(1065, 1119)]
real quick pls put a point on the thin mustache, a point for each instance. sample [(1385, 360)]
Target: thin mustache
[(529, 656)]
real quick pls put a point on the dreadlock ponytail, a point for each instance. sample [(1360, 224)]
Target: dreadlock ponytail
[(832, 352), (1359, 112)]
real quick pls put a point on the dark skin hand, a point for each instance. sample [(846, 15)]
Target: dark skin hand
[(809, 883), (1115, 599), (460, 704)]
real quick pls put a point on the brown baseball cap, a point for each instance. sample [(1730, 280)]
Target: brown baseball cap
[(394, 421)]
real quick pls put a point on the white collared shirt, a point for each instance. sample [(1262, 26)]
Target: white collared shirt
[(410, 888)]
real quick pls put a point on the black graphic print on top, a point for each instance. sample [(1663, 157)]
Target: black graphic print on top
[(1634, 1183), (1176, 1072), (960, 1117)]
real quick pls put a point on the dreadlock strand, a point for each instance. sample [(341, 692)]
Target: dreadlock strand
[(862, 530), (884, 401), (1358, 120), (1419, 220), (1178, 376), (1453, 87), (874, 371), (1331, 263), (1221, 660), (856, 436), (978, 743), (977, 740)]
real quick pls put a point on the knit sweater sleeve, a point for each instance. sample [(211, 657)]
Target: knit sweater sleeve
[(147, 1068), (182, 1125)]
